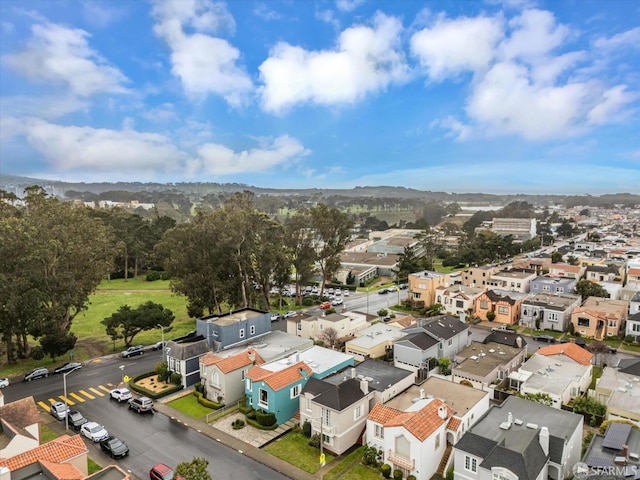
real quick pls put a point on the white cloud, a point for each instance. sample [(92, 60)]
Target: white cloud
[(455, 127), (104, 150), (205, 64), (365, 60), (613, 101), (534, 34), (264, 12), (452, 46), (47, 107), (629, 38), (100, 14), (10, 128), (161, 113), (221, 160), (348, 5), (62, 56)]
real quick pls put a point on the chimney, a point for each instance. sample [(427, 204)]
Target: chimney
[(364, 386), (353, 373), (625, 451), (510, 419), (543, 437), (297, 357), (422, 393), (252, 356), (442, 412)]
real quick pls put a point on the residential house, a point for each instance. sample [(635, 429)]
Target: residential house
[(633, 326), (631, 294), (223, 331), (365, 266), (223, 377), (600, 318), (275, 386), (483, 364), (314, 326), (373, 342), (403, 321), (603, 273), (478, 277), (520, 229), (619, 390), (505, 305), (520, 440), (540, 263), (633, 277), (458, 299), (548, 311), (617, 452), (614, 289), (564, 270), (513, 280), (386, 381), (430, 338), (554, 372), (19, 426), (337, 412), (549, 284), (183, 357), (394, 427), (423, 286)]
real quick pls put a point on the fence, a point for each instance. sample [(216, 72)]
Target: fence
[(221, 412)]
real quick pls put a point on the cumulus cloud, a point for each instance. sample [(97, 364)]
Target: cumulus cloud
[(611, 102), (534, 33), (348, 5), (452, 46), (365, 60), (279, 152), (455, 127), (205, 64), (630, 38), (47, 107), (62, 56)]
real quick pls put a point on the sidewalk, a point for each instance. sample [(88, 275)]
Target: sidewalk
[(232, 442)]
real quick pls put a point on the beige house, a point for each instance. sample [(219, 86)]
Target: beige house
[(458, 299), (478, 277), (482, 364), (314, 327), (424, 285), (600, 318), (513, 280), (223, 378), (505, 305), (20, 426), (564, 270), (619, 390), (374, 341)]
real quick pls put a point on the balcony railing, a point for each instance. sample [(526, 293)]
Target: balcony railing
[(401, 460), (330, 431)]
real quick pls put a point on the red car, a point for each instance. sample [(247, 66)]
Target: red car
[(325, 305), (162, 472)]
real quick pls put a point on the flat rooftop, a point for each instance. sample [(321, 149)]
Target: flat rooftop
[(459, 397), (319, 359), (482, 358), (270, 346), (550, 375)]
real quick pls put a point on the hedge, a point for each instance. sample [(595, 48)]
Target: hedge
[(265, 419), (206, 402), (148, 393), (255, 424)]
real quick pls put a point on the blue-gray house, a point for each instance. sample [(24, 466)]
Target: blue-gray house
[(546, 284), (228, 329)]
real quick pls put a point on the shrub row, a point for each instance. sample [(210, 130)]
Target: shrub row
[(148, 393), (255, 424), (207, 403)]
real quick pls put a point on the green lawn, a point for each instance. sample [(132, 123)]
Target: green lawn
[(362, 472), (137, 283), (190, 406), (93, 466), (46, 434), (294, 448), (345, 465)]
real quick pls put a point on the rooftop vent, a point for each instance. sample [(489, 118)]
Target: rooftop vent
[(517, 421), (532, 425)]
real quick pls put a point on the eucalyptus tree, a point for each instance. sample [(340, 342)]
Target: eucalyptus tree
[(299, 249)]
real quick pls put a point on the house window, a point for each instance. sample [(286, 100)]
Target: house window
[(321, 326), (450, 342), (422, 286), (439, 300), (483, 305), (215, 379), (500, 375), (459, 304), (178, 367), (417, 295), (242, 374), (583, 322), (357, 413), (613, 323), (552, 317), (535, 286), (299, 326), (252, 329), (519, 285), (308, 403), (263, 399), (503, 310), (378, 431), (501, 476), (635, 327), (437, 441), (326, 439), (241, 333), (326, 417), (295, 391), (560, 289), (248, 384), (546, 288), (470, 464)]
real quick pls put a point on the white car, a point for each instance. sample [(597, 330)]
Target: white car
[(337, 301), (94, 431), (120, 394), (289, 314), (4, 382), (345, 293)]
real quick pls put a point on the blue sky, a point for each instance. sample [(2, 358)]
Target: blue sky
[(512, 96)]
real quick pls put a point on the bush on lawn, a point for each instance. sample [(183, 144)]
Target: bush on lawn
[(265, 419), (385, 470), (306, 429)]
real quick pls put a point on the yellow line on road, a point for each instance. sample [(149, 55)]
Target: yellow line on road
[(52, 400), (96, 391), (87, 394), (69, 402), (44, 406), (102, 387), (110, 385), (77, 397)]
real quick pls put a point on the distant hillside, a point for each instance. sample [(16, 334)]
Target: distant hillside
[(197, 190)]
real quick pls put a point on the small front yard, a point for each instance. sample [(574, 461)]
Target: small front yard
[(153, 384), (189, 405), (294, 448), (351, 468)]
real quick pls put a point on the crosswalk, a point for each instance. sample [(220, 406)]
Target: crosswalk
[(73, 398)]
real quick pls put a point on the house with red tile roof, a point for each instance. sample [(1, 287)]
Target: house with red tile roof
[(223, 377), (600, 318), (412, 440), (564, 270)]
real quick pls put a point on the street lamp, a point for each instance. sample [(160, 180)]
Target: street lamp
[(66, 400), (121, 367), (322, 459), (164, 354)]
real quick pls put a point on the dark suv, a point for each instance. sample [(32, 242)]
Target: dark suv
[(545, 338), (131, 351)]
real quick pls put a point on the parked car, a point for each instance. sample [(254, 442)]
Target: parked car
[(325, 305), (131, 351), (162, 472), (68, 367), (544, 338), (114, 447), (275, 317), (337, 301), (159, 345), (345, 293), (94, 431), (393, 288), (76, 419), (384, 291), (120, 394), (404, 286), (4, 382), (36, 373), (58, 410), (141, 404), (290, 313)]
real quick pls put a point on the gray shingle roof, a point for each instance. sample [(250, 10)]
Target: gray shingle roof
[(420, 340), (383, 374), (341, 396), (187, 347), (443, 326), (520, 452)]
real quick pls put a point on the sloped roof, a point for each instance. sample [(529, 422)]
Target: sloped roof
[(341, 396), (443, 327), (281, 378), (234, 362), (520, 452), (187, 347), (62, 471), (382, 414), (421, 340), (454, 423), (571, 350), (58, 450), (20, 414), (420, 423)]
